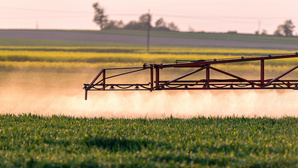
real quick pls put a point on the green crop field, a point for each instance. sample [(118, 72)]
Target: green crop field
[(203, 35), (15, 41), (35, 141)]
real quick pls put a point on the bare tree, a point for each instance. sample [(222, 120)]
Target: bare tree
[(99, 17)]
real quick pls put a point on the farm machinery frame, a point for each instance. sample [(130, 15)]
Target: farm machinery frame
[(100, 82)]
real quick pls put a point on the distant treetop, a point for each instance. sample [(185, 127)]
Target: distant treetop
[(144, 20), (285, 29)]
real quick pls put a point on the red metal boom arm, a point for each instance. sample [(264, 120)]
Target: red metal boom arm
[(99, 83)]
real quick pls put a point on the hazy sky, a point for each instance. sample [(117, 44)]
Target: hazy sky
[(245, 16)]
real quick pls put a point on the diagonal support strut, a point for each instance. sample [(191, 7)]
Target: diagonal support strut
[(183, 76), (234, 76), (282, 75)]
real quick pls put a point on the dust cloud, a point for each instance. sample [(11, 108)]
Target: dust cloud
[(159, 104)]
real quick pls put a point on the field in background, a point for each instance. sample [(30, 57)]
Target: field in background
[(94, 58), (9, 37), (78, 51), (209, 36), (139, 38)]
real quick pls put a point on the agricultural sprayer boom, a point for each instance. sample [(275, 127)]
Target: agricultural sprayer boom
[(100, 82)]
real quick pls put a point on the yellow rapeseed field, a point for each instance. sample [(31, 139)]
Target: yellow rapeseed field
[(94, 58)]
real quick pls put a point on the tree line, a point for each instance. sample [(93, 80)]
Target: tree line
[(286, 29), (101, 19)]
